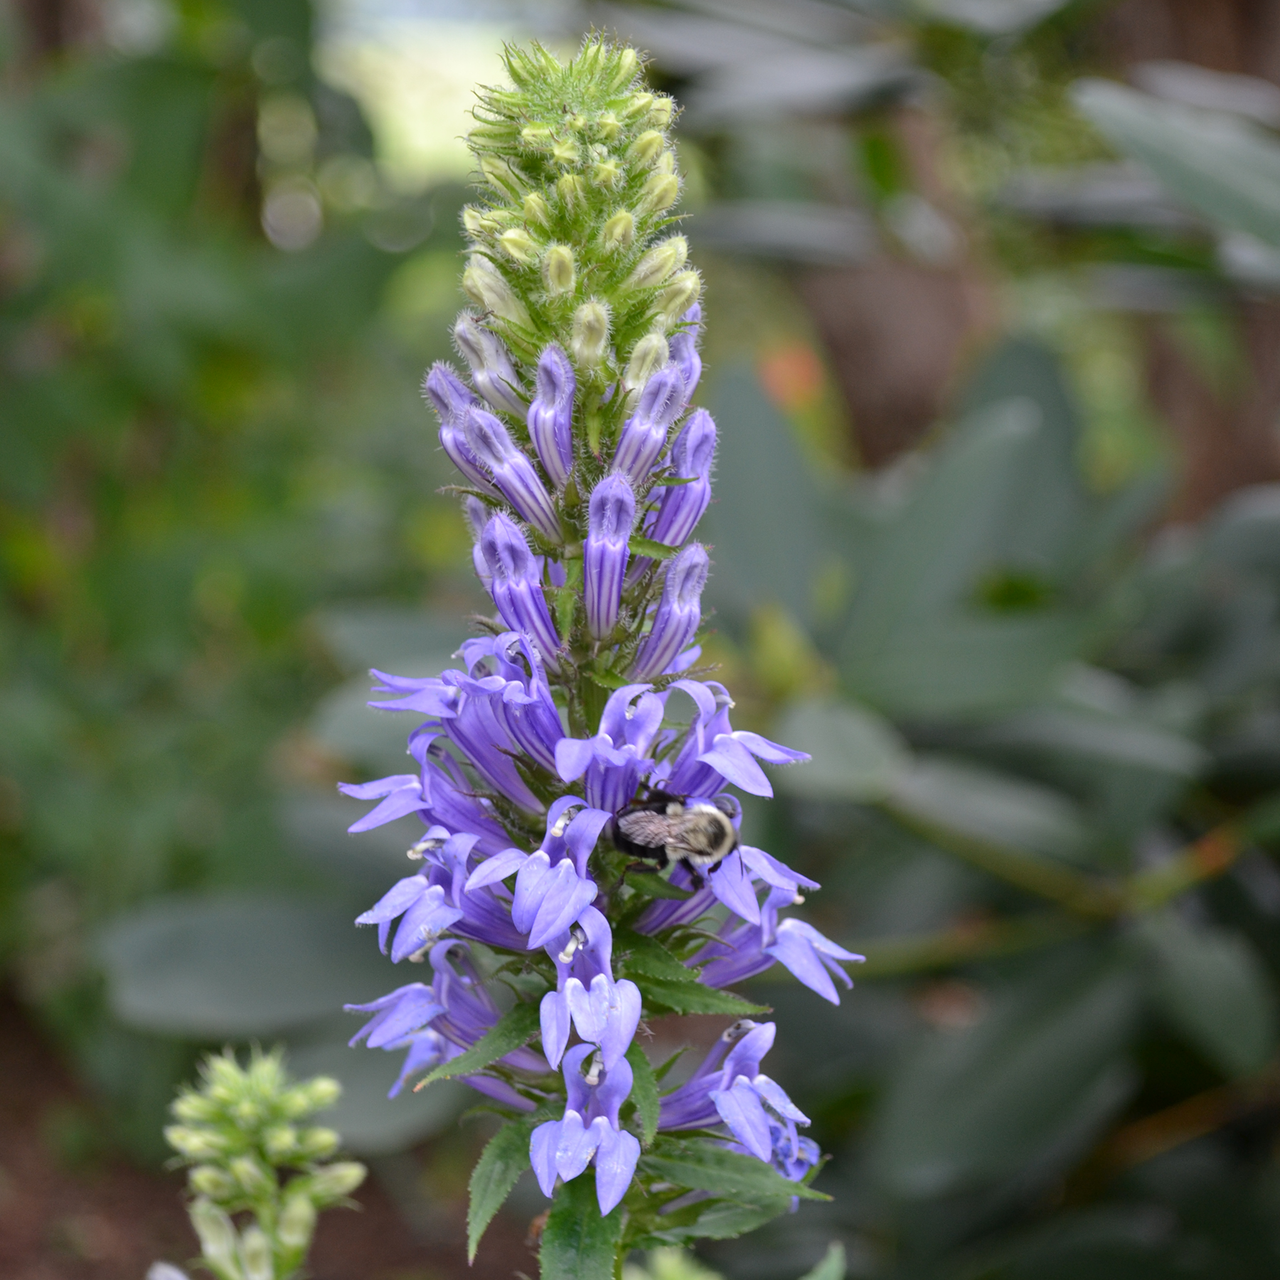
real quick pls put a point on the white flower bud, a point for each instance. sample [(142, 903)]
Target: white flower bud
[(519, 244), (252, 1177), (191, 1106), (679, 295), (280, 1141), (619, 231), (639, 104), (666, 163), (211, 1181), (255, 1255), (473, 221), (217, 1234), (195, 1144), (485, 285), (659, 192), (501, 175), (624, 70), (319, 1093), (589, 338), (317, 1143), (659, 263), (558, 269), (647, 357), (297, 1222), (335, 1180), (647, 147)]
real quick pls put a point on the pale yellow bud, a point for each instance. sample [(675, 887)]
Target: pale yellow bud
[(572, 191), (336, 1180), (297, 1222), (483, 284), (659, 263), (217, 1235), (195, 1144), (313, 1095), (660, 191), (501, 175), (211, 1181), (640, 104), (317, 1143), (473, 221), (281, 1141), (251, 1175), (619, 231), (558, 268), (493, 133), (519, 244), (647, 147), (589, 338), (662, 111), (605, 173), (565, 152), (607, 126), (194, 1106), (647, 357), (624, 69), (537, 135), (255, 1255), (666, 163), (679, 295), (536, 209)]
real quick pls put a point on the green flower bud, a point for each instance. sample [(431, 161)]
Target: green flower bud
[(606, 173), (638, 105), (246, 1112), (280, 1141), (659, 192), (493, 133), (662, 111), (607, 126), (297, 1222), (255, 1255), (572, 191), (253, 1176), (519, 244), (213, 1182), (195, 1144), (335, 1181), (626, 64), (619, 231), (647, 147), (659, 263), (536, 209), (266, 1074), (679, 295), (312, 1095), (558, 268), (484, 284), (191, 1106), (565, 152), (217, 1235), (537, 135), (647, 357), (666, 163), (498, 173), (317, 1143), (473, 222), (589, 337), (225, 1079)]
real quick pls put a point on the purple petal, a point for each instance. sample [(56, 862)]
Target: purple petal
[(573, 756), (496, 868), (566, 897), (620, 1026), (531, 886), (403, 794), (817, 940), (542, 1154), (615, 1165), (773, 872), (577, 1145), (733, 886), (589, 1006), (737, 765), (742, 1111), (411, 1014), (554, 1015), (771, 752), (776, 1096), (398, 899), (614, 1089), (798, 955)]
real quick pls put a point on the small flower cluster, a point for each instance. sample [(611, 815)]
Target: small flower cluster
[(236, 1132), (584, 477)]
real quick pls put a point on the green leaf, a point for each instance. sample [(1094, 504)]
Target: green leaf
[(668, 482), (647, 547), (516, 1027), (577, 1243), (1031, 1081), (1223, 167), (644, 1093), (856, 753), (1211, 985), (504, 1159), (650, 884), (606, 679), (715, 1220), (639, 954), (693, 997), (832, 1267), (704, 1166)]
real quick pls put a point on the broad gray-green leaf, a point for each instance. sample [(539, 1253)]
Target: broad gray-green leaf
[(1211, 985), (704, 1166), (992, 807), (1225, 168), (237, 966), (856, 753), (372, 1124), (832, 1267), (1025, 1087), (504, 1158), (577, 1243)]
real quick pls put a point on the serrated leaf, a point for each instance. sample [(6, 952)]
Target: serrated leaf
[(704, 1166), (577, 1243), (669, 482), (647, 547), (504, 1159), (516, 1027), (694, 997), (644, 1093), (639, 954), (607, 679), (565, 600)]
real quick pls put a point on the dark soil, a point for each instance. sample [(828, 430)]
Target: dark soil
[(108, 1220)]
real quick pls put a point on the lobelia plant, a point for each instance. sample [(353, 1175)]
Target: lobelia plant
[(584, 477)]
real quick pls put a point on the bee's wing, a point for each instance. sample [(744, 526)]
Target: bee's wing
[(643, 827)]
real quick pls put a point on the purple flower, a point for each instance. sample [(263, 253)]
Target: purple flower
[(477, 516), (683, 504), (616, 759), (492, 372), (683, 348), (451, 399), (590, 1131), (513, 473), (644, 434), (516, 588), (551, 414), (611, 517), (678, 613)]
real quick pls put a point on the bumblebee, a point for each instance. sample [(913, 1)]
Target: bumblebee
[(664, 828)]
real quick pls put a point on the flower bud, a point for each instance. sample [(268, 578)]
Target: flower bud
[(665, 163), (618, 231), (565, 152), (281, 1140), (606, 173), (607, 126), (473, 222), (638, 105), (334, 1181), (624, 69), (451, 399), (516, 587), (679, 295), (536, 209), (253, 1178), (491, 369), (684, 349), (659, 192), (209, 1180), (644, 434), (217, 1234), (485, 285), (319, 1093), (255, 1254), (691, 458), (318, 1143), (498, 173), (519, 244), (195, 1144), (572, 191), (558, 269), (589, 337), (647, 147), (477, 515), (550, 418), (659, 263), (611, 518), (192, 1106), (493, 133), (537, 135), (662, 111), (647, 356), (297, 1222), (513, 473), (678, 613)]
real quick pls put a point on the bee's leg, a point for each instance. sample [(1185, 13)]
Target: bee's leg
[(694, 874)]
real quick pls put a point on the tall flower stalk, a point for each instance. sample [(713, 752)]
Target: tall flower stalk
[(584, 474)]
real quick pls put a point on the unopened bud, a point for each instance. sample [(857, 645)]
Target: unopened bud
[(659, 263), (280, 1141), (473, 221), (537, 135), (558, 268), (192, 1106), (297, 1222), (335, 1180), (624, 69), (647, 147), (619, 231), (607, 126), (486, 286), (589, 337), (640, 104), (252, 1176), (312, 1095), (660, 191), (679, 295), (195, 1144), (211, 1181), (647, 357), (536, 209), (519, 244), (217, 1234), (501, 175), (493, 133), (665, 163), (662, 111), (317, 1143), (565, 152), (572, 191), (606, 173), (255, 1254)]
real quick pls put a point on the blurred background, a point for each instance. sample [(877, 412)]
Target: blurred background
[(993, 299)]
